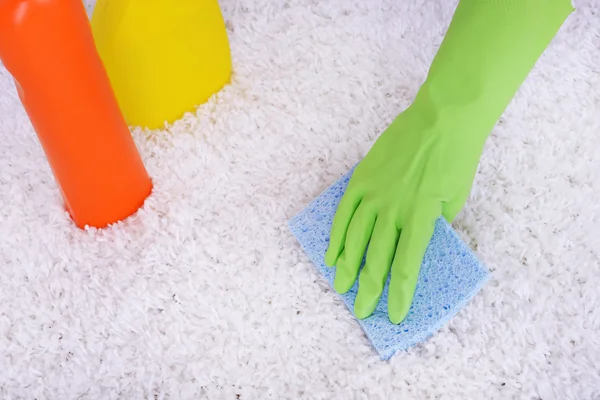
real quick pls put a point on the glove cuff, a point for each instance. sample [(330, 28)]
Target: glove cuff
[(488, 51)]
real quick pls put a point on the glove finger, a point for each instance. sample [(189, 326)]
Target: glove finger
[(357, 238), (343, 215), (413, 243), (377, 266), (451, 209)]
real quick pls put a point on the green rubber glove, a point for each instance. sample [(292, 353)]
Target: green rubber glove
[(423, 165)]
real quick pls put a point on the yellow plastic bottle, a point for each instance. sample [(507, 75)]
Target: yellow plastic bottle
[(163, 57)]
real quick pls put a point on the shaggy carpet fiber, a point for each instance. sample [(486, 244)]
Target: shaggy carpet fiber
[(204, 293)]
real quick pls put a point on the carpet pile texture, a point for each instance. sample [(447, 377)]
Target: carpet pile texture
[(205, 293)]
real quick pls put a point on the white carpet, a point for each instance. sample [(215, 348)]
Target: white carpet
[(205, 294)]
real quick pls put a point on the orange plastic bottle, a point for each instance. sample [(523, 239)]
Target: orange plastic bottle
[(48, 47)]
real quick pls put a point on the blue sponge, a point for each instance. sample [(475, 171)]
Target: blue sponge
[(450, 276)]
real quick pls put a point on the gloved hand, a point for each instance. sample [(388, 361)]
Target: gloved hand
[(422, 167)]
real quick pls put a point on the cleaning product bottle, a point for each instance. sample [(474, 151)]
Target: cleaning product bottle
[(49, 49), (163, 57)]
